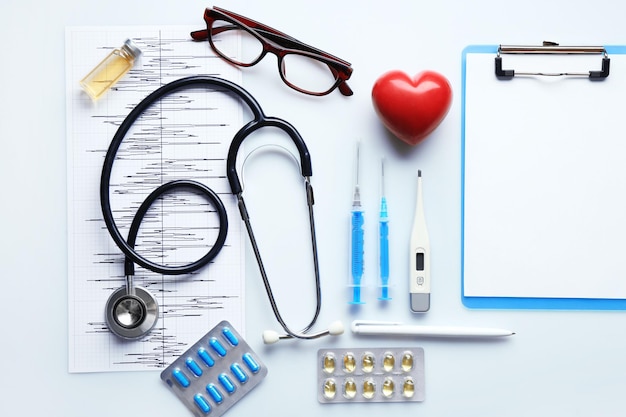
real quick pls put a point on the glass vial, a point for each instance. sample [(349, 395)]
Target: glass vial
[(110, 70)]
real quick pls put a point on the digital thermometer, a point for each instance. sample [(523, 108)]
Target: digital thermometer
[(419, 280)]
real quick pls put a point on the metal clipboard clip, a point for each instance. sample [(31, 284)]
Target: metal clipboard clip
[(552, 48)]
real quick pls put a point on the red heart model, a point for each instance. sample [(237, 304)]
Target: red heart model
[(411, 108)]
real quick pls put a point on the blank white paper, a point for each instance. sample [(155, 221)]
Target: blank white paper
[(544, 180)]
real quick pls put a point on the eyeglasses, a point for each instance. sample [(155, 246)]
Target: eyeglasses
[(302, 67)]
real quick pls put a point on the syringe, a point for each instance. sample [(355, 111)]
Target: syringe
[(384, 237), (357, 236)]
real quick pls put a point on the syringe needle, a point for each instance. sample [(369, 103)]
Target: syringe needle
[(357, 236), (384, 237)]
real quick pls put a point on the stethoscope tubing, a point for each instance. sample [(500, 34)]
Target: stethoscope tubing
[(107, 169), (216, 203), (259, 121)]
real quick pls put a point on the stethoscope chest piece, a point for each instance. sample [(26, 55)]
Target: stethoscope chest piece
[(131, 314)]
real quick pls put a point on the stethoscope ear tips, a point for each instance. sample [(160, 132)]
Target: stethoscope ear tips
[(270, 337), (336, 328)]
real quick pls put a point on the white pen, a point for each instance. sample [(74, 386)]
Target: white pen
[(419, 278), (373, 328)]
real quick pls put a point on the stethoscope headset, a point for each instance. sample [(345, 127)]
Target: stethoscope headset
[(132, 311)]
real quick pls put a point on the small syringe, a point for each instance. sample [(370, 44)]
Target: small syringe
[(384, 237), (357, 236)]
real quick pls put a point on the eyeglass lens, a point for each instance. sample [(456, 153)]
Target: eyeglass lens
[(299, 70)]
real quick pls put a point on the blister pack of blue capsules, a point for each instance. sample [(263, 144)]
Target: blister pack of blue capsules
[(215, 373)]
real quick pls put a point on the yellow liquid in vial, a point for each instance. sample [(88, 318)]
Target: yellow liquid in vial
[(105, 75), (388, 387), (369, 388), (349, 389), (349, 362), (330, 388), (407, 362), (389, 361), (367, 362), (329, 363), (408, 388)]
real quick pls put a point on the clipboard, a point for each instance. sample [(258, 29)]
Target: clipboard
[(543, 187)]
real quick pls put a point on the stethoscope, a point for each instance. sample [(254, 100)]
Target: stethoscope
[(132, 311)]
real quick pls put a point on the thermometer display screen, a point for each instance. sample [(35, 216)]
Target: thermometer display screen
[(419, 261)]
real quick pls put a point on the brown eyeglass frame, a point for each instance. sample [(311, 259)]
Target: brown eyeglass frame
[(277, 43)]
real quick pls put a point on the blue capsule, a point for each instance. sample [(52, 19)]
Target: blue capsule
[(217, 347), (202, 403), (180, 377), (206, 358), (226, 382), (193, 366), (230, 336), (238, 372), (214, 393), (252, 365)]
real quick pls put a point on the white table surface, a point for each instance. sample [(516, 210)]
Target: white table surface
[(559, 362)]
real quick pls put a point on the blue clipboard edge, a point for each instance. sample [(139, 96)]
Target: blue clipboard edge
[(517, 302)]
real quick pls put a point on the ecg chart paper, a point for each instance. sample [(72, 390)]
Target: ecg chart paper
[(185, 135)]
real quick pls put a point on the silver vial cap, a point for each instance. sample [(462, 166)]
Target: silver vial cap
[(131, 48)]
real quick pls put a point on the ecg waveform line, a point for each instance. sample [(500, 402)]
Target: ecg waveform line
[(184, 136)]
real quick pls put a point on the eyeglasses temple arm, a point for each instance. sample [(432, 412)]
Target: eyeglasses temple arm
[(345, 89), (203, 34), (281, 39), (292, 43), (200, 35)]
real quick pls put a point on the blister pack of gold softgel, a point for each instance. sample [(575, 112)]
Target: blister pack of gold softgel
[(370, 375), (215, 373)]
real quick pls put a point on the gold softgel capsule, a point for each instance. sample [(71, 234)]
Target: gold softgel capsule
[(367, 362), (349, 362), (329, 363), (330, 388)]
